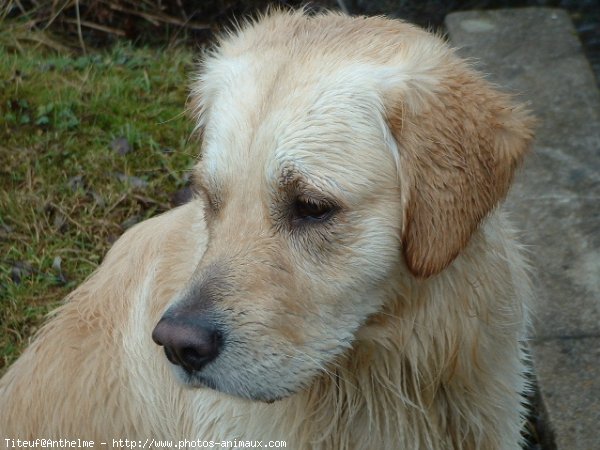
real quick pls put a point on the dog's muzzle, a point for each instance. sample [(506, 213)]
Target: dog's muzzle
[(191, 343)]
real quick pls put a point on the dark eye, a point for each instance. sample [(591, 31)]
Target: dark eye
[(311, 211)]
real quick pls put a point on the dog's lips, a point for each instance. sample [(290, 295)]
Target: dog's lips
[(271, 400), (191, 380), (196, 380), (199, 381)]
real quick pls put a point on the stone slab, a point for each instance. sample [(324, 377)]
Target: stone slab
[(571, 397), (534, 53)]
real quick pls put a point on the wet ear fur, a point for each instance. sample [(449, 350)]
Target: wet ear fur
[(459, 142)]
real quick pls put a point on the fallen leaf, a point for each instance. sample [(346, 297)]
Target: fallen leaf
[(60, 222), (76, 182), (19, 270), (128, 223), (136, 182), (121, 145), (5, 231), (182, 196), (56, 266), (98, 199)]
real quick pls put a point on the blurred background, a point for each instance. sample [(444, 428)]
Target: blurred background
[(101, 22)]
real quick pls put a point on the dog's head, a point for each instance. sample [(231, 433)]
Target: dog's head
[(338, 154)]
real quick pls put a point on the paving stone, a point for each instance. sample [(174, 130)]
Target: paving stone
[(572, 397), (535, 54)]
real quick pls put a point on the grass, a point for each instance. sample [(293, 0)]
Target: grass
[(89, 145)]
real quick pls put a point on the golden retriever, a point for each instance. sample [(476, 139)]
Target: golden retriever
[(342, 280)]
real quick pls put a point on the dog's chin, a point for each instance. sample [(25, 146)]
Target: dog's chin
[(195, 380)]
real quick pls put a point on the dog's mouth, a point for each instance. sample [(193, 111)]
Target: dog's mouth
[(199, 380), (187, 376), (205, 353)]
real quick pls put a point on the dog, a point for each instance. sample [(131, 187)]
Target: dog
[(342, 279)]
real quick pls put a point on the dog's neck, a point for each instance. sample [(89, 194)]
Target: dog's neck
[(407, 379), (418, 373)]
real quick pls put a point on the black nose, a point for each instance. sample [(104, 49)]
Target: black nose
[(188, 343)]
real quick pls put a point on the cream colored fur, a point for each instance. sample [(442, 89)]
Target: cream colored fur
[(395, 325)]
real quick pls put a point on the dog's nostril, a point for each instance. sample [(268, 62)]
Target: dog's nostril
[(192, 359), (170, 356), (188, 343)]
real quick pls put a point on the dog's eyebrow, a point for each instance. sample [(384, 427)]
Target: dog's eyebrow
[(302, 181)]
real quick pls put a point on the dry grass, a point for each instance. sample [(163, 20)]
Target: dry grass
[(98, 22)]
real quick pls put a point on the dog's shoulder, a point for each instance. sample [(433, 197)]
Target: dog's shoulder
[(168, 233)]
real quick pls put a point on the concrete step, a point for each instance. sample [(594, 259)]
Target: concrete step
[(535, 54)]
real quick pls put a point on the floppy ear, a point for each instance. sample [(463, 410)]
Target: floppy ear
[(459, 142)]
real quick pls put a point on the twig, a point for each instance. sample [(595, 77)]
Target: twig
[(44, 40), (53, 18), (79, 27), (150, 201), (343, 6), (20, 6), (149, 17), (183, 13), (98, 27), (67, 216), (155, 19), (114, 205)]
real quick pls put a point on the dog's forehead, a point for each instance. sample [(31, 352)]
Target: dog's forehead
[(320, 116)]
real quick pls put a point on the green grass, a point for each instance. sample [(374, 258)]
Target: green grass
[(65, 193)]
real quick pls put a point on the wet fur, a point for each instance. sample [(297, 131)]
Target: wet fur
[(397, 327)]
